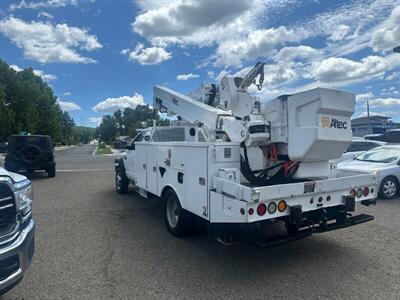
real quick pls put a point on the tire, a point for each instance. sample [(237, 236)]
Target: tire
[(30, 154), (389, 188), (179, 222), (121, 182), (51, 173)]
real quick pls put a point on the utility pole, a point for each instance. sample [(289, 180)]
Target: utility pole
[(367, 108)]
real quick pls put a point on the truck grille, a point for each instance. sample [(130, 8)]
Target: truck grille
[(9, 266), (8, 211)]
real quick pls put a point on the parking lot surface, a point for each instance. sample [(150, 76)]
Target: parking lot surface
[(93, 243)]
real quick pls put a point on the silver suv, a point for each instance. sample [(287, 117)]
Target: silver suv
[(17, 228)]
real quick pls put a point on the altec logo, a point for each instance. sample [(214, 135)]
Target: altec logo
[(333, 123)]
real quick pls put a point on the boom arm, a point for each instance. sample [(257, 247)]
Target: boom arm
[(196, 112)]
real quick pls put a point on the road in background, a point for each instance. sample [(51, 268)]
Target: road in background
[(93, 243), (80, 158)]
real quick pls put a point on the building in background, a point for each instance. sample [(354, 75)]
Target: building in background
[(372, 125)]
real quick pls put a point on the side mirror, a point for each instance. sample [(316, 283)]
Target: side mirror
[(131, 146)]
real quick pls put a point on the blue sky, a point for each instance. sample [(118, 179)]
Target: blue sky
[(100, 55)]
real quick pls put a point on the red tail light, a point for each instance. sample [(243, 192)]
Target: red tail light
[(366, 191), (261, 209), (251, 211)]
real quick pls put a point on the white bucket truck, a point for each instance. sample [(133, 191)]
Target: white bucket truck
[(247, 167)]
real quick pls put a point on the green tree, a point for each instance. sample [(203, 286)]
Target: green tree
[(118, 116), (84, 134), (108, 130), (28, 104), (68, 129), (7, 117)]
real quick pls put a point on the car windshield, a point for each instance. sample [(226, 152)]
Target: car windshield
[(381, 155)]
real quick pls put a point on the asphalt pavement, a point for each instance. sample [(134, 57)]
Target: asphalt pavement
[(92, 243), (80, 158)]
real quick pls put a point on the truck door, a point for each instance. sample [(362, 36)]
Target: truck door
[(130, 162)]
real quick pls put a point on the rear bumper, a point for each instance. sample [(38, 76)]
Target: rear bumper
[(15, 258), (266, 234), (18, 166)]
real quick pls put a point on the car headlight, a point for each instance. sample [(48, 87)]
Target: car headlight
[(23, 195)]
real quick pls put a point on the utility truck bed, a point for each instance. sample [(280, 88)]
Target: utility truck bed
[(205, 178)]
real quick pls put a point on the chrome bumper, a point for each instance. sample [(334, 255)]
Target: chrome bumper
[(22, 249)]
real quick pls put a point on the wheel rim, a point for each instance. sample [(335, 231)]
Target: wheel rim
[(389, 188), (118, 181), (172, 212)]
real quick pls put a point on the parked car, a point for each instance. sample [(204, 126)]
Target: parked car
[(358, 146), (372, 136), (383, 161), (30, 153), (392, 136), (17, 228)]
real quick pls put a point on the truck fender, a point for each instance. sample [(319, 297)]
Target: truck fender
[(119, 165), (168, 188)]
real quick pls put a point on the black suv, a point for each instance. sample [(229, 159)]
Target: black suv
[(30, 153)]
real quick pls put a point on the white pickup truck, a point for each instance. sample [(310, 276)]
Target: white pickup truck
[(199, 178), (17, 228)]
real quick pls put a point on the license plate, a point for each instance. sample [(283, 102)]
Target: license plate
[(309, 187)]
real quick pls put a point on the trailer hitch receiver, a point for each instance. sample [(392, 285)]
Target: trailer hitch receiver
[(349, 203)]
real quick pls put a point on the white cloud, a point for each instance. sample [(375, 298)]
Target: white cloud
[(47, 43), (231, 25), (384, 102), (16, 68), (68, 106), (393, 76), (380, 113), (188, 22), (45, 15), (40, 73), (364, 97), (42, 4), (112, 104), (390, 91), (278, 74), (387, 36), (45, 77), (297, 53), (187, 76), (96, 120), (258, 43), (341, 31), (343, 70), (66, 94), (351, 25), (147, 56)]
